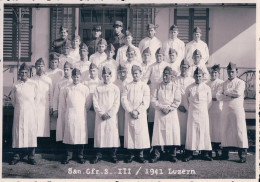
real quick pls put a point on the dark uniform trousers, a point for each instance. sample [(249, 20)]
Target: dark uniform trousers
[(77, 148), (242, 152), (21, 152), (170, 149), (110, 151)]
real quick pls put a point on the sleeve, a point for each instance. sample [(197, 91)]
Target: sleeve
[(56, 97), (62, 100), (51, 95), (146, 100), (116, 104), (96, 104), (220, 94), (154, 100), (147, 74), (238, 91), (125, 103), (177, 99), (88, 99), (13, 93), (186, 99), (209, 97)]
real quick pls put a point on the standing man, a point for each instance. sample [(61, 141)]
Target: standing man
[(65, 56), (197, 102), (118, 39), (150, 41), (100, 56), (146, 60), (106, 101), (24, 131), (96, 37), (233, 122), (166, 99), (58, 44), (136, 100), (174, 43), (196, 43)]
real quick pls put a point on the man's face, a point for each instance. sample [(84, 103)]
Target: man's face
[(146, 58), (96, 33), (159, 58), (128, 40), (167, 77), (196, 59), (173, 34), (67, 72), (24, 74), (118, 30), (173, 57), (198, 78), (101, 48), (130, 56), (151, 32), (83, 53), (106, 77), (40, 69), (110, 54), (54, 64), (136, 75), (64, 34), (93, 73), (66, 51), (232, 74), (214, 75), (123, 74), (76, 43), (76, 79), (184, 69), (197, 36)]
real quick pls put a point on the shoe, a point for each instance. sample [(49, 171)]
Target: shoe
[(14, 161), (141, 160), (154, 159), (65, 161), (188, 158), (207, 158), (114, 160), (81, 161), (242, 160), (129, 160), (96, 160), (173, 159), (31, 161)]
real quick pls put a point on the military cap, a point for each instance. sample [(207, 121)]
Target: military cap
[(128, 33), (54, 56), (76, 71), (216, 67), (185, 62), (110, 47), (96, 28), (83, 46), (171, 51), (102, 42), (67, 44), (196, 52), (106, 70), (39, 61), (136, 67), (68, 65), (63, 28), (75, 37), (130, 49), (231, 66), (92, 66), (147, 50), (174, 27), (159, 51), (24, 66), (196, 30), (167, 69), (198, 71), (121, 67), (150, 26), (118, 24)]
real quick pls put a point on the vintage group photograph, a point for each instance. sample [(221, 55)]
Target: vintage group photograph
[(129, 91)]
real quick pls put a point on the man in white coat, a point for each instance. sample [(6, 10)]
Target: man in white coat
[(233, 122), (166, 99), (76, 101), (196, 43), (215, 110), (136, 100), (99, 56), (24, 133), (74, 53), (197, 102), (106, 101), (173, 60), (150, 41)]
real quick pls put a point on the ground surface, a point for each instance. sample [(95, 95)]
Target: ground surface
[(49, 166)]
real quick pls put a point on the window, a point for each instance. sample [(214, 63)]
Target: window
[(61, 17), (188, 18), (11, 33)]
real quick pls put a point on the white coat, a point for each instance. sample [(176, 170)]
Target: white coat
[(76, 100), (24, 133), (74, 55), (58, 106), (234, 132), (56, 76), (98, 58), (106, 99), (183, 83), (176, 44), (121, 54), (192, 46), (136, 96), (44, 104), (215, 112), (113, 67), (197, 102), (83, 66), (91, 115), (166, 130), (153, 44)]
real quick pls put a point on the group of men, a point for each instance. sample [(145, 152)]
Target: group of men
[(157, 94)]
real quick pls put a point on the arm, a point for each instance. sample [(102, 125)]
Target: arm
[(13, 93), (220, 94), (238, 91), (96, 104), (51, 95), (88, 99), (124, 100), (186, 99), (115, 107), (146, 100), (154, 101), (177, 100), (209, 97), (55, 97)]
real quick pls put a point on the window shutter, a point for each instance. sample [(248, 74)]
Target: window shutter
[(140, 17), (11, 21), (62, 17)]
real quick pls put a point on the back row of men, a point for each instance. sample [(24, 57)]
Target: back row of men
[(185, 107)]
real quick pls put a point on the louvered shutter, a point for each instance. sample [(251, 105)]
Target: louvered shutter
[(10, 45), (62, 17), (139, 18)]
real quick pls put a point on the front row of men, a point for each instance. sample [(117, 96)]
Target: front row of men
[(182, 108)]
